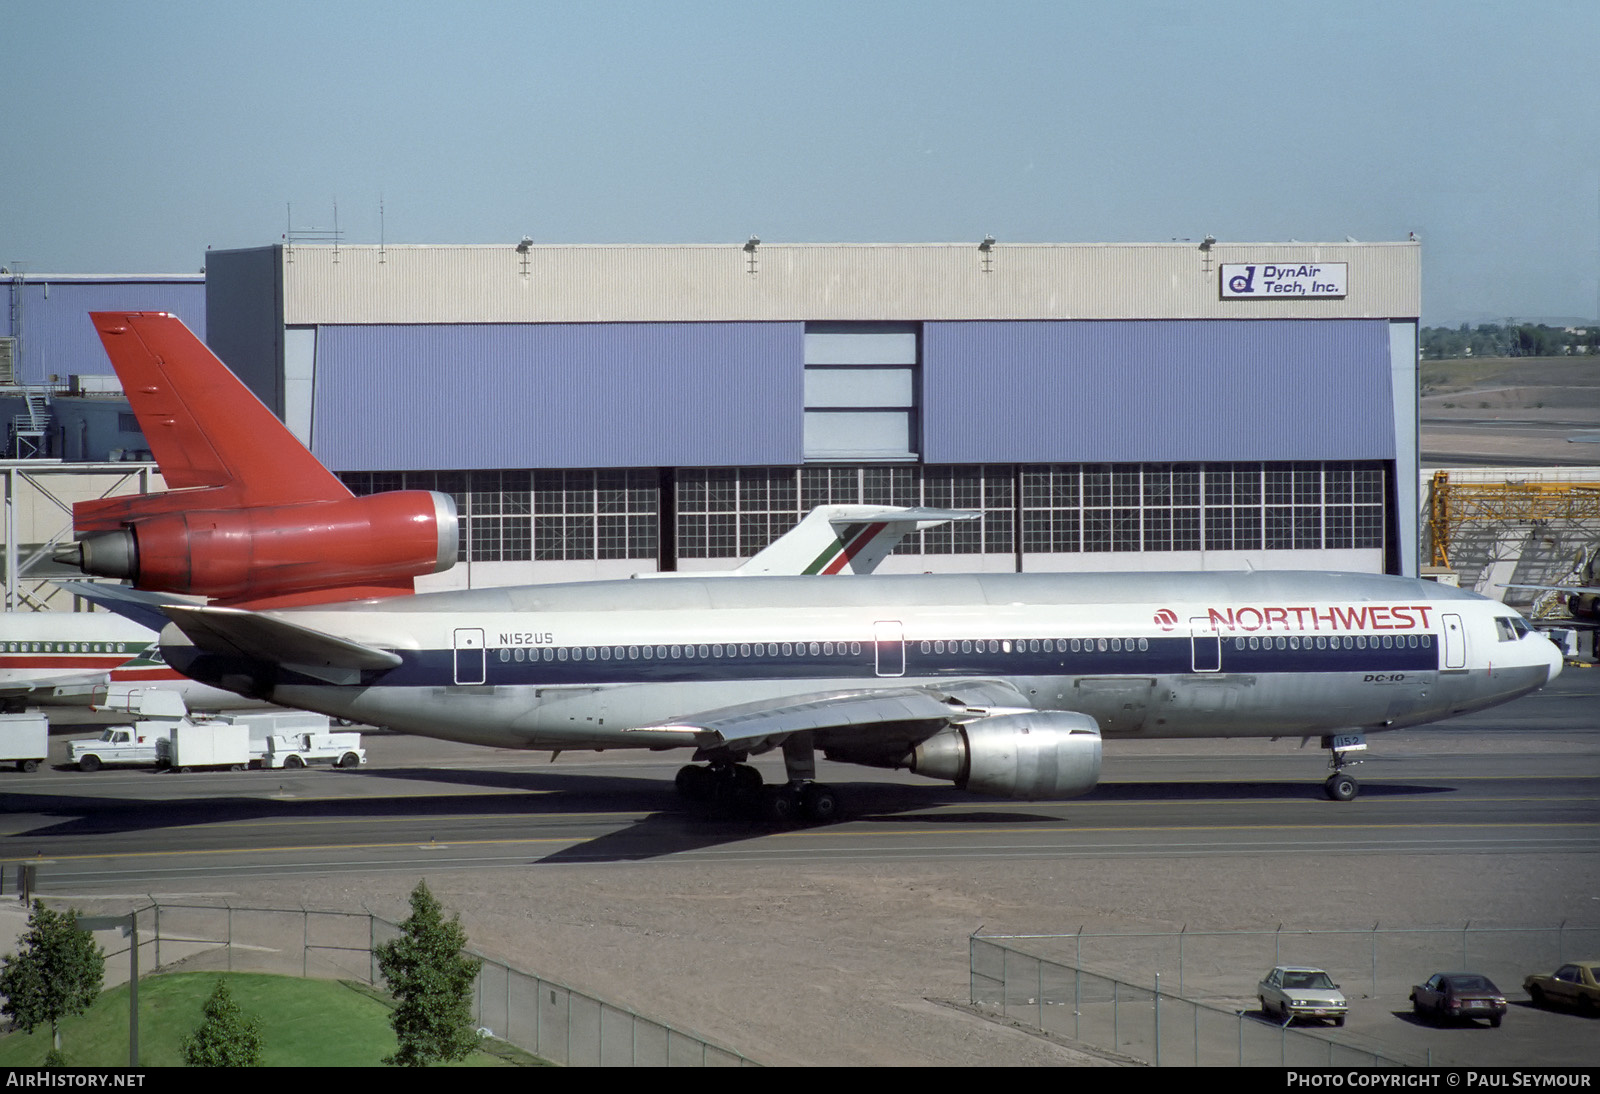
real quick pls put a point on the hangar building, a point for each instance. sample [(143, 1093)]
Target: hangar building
[(605, 410), (58, 395)]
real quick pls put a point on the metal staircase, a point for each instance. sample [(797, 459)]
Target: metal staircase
[(30, 430)]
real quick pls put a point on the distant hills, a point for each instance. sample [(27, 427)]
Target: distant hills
[(1530, 320)]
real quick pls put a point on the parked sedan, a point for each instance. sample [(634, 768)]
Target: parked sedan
[(1575, 985), (1291, 992), (1459, 995)]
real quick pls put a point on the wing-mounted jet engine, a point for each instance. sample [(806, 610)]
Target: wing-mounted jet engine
[(250, 514), (1040, 754)]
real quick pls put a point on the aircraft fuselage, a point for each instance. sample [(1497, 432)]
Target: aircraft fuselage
[(1144, 655)]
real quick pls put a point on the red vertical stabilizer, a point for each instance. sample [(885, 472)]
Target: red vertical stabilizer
[(250, 514), (204, 427)]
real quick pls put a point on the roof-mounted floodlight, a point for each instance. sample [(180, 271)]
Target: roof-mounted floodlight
[(525, 246), (1206, 243), (752, 243), (987, 245)]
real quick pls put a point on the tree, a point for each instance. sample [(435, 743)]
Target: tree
[(432, 979), (226, 1038), (57, 974)]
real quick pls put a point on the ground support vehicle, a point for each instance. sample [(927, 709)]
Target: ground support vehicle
[(24, 739), (138, 744), (216, 745), (303, 749), (169, 737)]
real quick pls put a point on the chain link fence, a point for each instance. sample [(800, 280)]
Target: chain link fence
[(1188, 997), (547, 1018)]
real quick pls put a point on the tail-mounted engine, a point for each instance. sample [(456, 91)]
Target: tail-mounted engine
[(1041, 754), (248, 554)]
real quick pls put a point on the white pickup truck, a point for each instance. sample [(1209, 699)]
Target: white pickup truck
[(140, 743), (133, 744)]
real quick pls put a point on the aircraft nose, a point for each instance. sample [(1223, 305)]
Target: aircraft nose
[(1554, 660)]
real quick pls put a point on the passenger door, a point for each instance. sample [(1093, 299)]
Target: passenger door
[(1455, 643), (1205, 645), (469, 655), (890, 647)]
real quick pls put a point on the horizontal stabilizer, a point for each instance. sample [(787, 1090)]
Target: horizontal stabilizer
[(148, 609), (259, 637)]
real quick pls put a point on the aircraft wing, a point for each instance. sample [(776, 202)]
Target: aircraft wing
[(264, 638), (755, 725), (1588, 589)]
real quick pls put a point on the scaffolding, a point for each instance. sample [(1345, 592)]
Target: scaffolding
[(1499, 532), (38, 496), (1453, 506)]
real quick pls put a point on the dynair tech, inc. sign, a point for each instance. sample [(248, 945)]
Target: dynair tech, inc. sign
[(1268, 280)]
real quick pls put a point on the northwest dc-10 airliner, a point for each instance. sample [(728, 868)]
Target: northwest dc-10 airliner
[(1004, 684)]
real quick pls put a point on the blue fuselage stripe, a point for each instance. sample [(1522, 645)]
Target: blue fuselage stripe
[(1161, 657)]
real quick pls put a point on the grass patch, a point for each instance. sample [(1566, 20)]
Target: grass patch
[(304, 1023), (1458, 374)]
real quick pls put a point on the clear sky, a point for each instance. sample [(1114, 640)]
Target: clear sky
[(137, 133)]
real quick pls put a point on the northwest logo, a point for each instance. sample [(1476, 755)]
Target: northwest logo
[(1166, 619)]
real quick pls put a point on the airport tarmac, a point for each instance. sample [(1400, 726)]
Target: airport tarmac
[(1510, 412), (848, 944)]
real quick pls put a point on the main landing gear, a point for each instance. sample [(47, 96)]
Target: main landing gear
[(739, 785), (719, 781), (1339, 786)]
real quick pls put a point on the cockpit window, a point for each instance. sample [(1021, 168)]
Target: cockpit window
[(1511, 627)]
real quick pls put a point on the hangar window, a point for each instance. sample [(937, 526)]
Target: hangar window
[(735, 512), (1180, 507), (861, 391), (512, 516), (1232, 510), (728, 513), (990, 490), (595, 514)]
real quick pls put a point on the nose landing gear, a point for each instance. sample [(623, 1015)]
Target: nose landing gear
[(1341, 787)]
